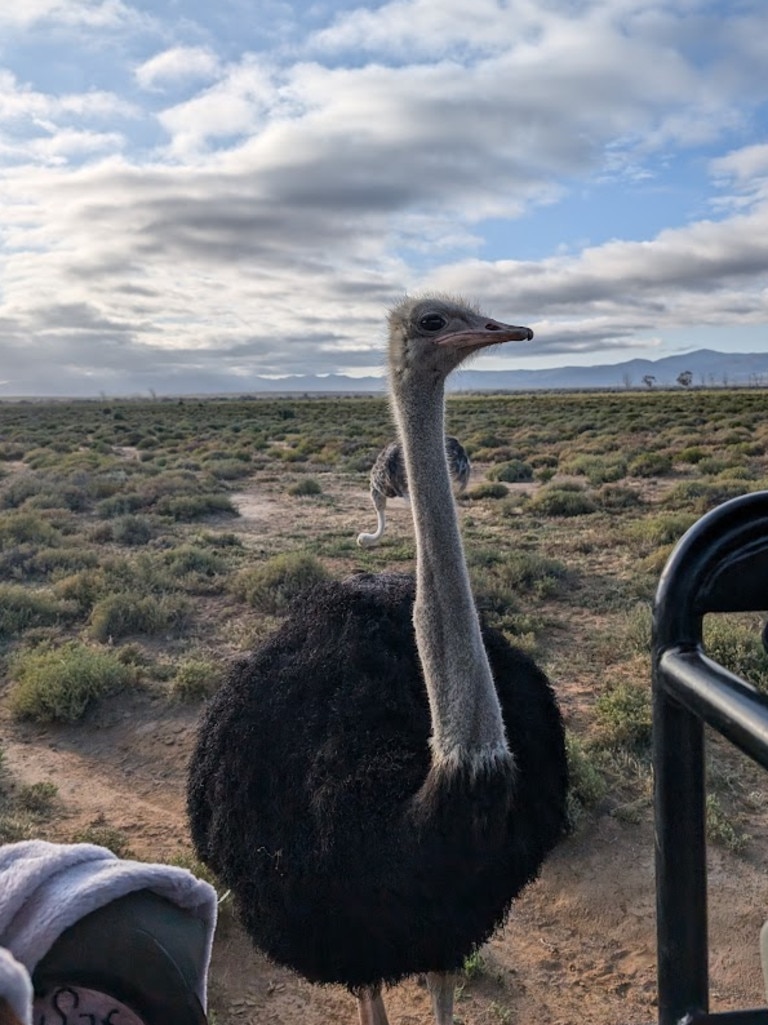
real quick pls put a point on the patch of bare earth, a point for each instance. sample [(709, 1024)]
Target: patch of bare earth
[(580, 944)]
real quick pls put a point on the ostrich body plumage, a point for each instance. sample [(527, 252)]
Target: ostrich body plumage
[(305, 795), (388, 480)]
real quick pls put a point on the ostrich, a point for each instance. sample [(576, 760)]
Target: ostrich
[(388, 480), (379, 780)]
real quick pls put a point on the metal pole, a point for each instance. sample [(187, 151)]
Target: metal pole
[(681, 870)]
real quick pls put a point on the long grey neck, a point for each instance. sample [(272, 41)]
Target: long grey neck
[(467, 727)]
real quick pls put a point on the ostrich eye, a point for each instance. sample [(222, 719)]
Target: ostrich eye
[(432, 322)]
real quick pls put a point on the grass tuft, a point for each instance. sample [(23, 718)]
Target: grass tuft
[(196, 679), (59, 684), (557, 500), (22, 608), (587, 785), (100, 833), (121, 615), (272, 586), (623, 715), (307, 486)]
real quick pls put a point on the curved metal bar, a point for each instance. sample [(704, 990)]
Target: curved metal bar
[(719, 565)]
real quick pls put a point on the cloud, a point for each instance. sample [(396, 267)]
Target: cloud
[(20, 102), (45, 128), (708, 272), (93, 14), (179, 65), (424, 29), (293, 196)]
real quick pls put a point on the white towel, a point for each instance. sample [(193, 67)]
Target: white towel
[(45, 888), (15, 987)]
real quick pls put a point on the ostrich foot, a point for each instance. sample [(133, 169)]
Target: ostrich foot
[(441, 987), (368, 540), (370, 1008)]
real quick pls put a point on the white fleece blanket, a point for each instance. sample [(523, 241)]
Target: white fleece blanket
[(15, 987), (45, 888)]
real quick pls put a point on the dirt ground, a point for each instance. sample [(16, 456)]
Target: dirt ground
[(580, 944)]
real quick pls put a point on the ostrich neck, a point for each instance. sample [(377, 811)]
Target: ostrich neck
[(467, 726)]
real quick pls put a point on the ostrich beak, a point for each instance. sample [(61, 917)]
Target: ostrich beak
[(488, 332)]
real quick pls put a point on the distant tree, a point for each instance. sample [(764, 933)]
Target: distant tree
[(649, 380), (685, 379), (626, 380)]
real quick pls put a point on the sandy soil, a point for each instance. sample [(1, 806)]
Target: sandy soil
[(579, 947)]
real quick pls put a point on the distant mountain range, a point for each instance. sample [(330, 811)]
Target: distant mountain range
[(707, 367)]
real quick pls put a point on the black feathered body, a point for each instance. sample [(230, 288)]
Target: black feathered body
[(311, 797)]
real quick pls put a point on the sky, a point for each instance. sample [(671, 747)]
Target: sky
[(196, 194)]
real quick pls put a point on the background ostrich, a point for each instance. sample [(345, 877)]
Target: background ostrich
[(389, 480), (378, 782)]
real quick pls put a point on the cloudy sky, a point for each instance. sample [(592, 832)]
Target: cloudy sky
[(195, 193)]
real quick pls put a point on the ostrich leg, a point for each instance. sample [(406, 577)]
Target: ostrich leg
[(370, 1008), (441, 987), (380, 504)]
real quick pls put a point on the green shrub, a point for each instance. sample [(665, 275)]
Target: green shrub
[(692, 454), (26, 527), (120, 615), (735, 643), (474, 965), (132, 530), (47, 561), (531, 572), (650, 464), (613, 496), (486, 491), (514, 472), (660, 530), (721, 829), (122, 505), (711, 466), (15, 492), (597, 469), (60, 683), (83, 588), (226, 539), (38, 798), (306, 486), (638, 627), (22, 607), (229, 469), (587, 785), (623, 714), (190, 558), (196, 678), (273, 585), (194, 507), (100, 833), (60, 495), (499, 581), (10, 452), (701, 496), (558, 500)]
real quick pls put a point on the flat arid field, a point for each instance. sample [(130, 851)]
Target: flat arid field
[(145, 546)]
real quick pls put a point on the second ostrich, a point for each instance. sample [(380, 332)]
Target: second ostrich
[(388, 480), (379, 781)]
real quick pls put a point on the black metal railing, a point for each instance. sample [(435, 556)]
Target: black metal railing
[(720, 565)]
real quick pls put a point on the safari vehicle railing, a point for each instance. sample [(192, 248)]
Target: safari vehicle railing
[(720, 565)]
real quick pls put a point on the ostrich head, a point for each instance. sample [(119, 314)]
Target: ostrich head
[(435, 334)]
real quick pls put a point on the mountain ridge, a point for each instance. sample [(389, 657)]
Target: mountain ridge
[(708, 367)]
